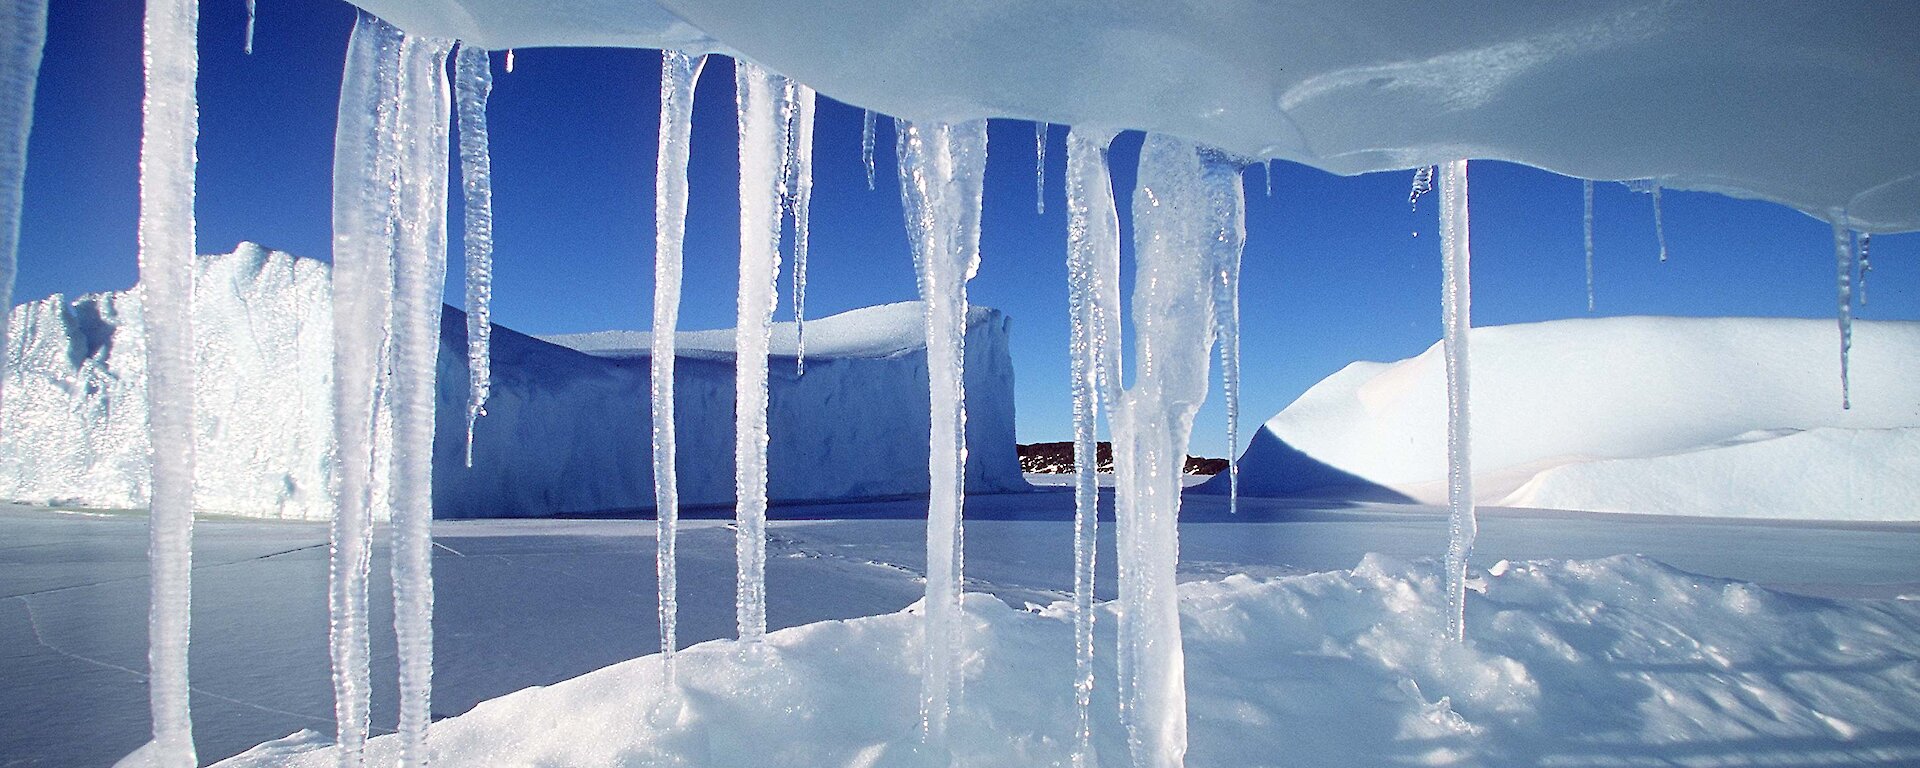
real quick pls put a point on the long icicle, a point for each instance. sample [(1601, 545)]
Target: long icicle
[(253, 13), (1842, 254), (1866, 264), (419, 272), (170, 129), (1586, 195), (1178, 215), (23, 34), (942, 173), (866, 143), (679, 74), (1456, 303), (1659, 221), (759, 96), (473, 82), (1093, 240), (1040, 167), (1228, 241), (800, 156), (362, 257)]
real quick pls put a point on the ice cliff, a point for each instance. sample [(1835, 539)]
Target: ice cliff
[(1736, 417), (566, 431)]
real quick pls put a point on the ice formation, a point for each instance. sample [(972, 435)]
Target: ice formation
[(1422, 184), (1093, 272), (799, 184), (1843, 264), (1586, 233), (761, 98), (1225, 249), (1866, 265), (1040, 167), (473, 81), (1457, 298), (866, 143), (1659, 221), (170, 126), (679, 73), (253, 12), (21, 41), (942, 174)]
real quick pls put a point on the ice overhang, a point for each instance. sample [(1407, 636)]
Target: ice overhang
[(1812, 105)]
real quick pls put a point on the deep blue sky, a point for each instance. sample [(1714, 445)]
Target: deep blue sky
[(1334, 271)]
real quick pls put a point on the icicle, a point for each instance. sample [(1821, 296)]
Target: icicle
[(679, 73), (1039, 167), (942, 172), (23, 33), (1866, 265), (1586, 192), (1659, 222), (800, 159), (1269, 176), (252, 12), (759, 97), (1842, 254), (1228, 201), (363, 235), (1422, 184), (474, 81), (866, 143), (509, 61), (419, 272), (1093, 243), (169, 132), (1457, 300), (1185, 201)]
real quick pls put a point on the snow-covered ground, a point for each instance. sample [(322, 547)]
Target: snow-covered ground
[(1597, 661), (1723, 417)]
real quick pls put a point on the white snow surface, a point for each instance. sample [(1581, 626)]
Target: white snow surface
[(1575, 662), (1734, 417), (558, 436), (1800, 103)]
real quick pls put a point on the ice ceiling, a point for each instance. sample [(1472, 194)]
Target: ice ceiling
[(1812, 105)]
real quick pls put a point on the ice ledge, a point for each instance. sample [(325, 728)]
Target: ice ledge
[(1798, 103)]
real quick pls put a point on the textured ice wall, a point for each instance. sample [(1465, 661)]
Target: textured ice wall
[(561, 427)]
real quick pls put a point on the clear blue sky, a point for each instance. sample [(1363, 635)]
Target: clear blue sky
[(1334, 271)]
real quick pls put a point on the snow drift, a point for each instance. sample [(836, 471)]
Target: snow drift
[(1735, 417), (566, 432), (1573, 663), (1800, 103)]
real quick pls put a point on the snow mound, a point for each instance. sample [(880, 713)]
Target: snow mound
[(565, 432), (882, 331), (1599, 408), (1800, 103), (1573, 662)]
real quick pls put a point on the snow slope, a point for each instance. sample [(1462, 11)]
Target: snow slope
[(1710, 416), (1806, 104), (1580, 662), (566, 432)]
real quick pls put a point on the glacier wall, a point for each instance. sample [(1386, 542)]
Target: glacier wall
[(567, 432)]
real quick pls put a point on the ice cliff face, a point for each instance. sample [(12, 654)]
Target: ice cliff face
[(566, 432), (1705, 416)]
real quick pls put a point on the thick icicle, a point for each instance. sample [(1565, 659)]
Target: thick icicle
[(866, 143), (419, 272), (800, 203), (1866, 264), (1586, 194), (1039, 167), (1422, 184), (1229, 205), (1456, 303), (1093, 241), (1842, 255), (942, 171), (473, 82), (252, 13), (679, 73), (23, 33), (362, 281), (169, 131), (759, 96), (1659, 222), (1183, 203)]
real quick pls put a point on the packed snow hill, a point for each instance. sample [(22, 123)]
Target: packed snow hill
[(559, 430), (1724, 417)]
